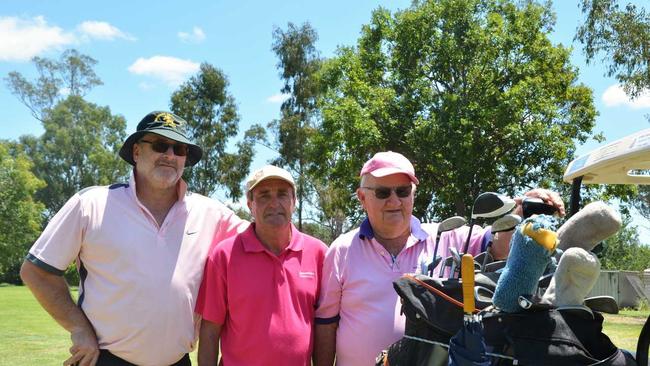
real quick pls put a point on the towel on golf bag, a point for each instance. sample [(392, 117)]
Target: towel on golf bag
[(531, 248), (549, 336)]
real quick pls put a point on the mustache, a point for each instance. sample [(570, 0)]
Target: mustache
[(275, 212)]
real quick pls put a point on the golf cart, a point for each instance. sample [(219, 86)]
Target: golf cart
[(620, 162)]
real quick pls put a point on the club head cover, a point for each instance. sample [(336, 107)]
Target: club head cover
[(531, 248), (591, 225), (576, 274)]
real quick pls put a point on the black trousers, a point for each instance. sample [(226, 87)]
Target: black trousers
[(108, 359)]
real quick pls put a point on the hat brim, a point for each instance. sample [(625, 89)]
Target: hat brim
[(273, 176), (194, 153), (382, 172)]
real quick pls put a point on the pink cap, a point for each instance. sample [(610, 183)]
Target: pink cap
[(386, 163)]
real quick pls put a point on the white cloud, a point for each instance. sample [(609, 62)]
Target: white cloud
[(92, 29), (615, 96), (197, 36), (22, 39), (171, 70), (277, 98)]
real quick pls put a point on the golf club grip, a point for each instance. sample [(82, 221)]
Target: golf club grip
[(467, 272)]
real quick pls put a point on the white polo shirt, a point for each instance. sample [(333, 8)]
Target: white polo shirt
[(139, 281)]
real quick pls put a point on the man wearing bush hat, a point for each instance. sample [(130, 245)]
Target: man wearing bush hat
[(140, 249), (260, 287)]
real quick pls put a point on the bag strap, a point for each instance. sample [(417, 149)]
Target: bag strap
[(438, 292)]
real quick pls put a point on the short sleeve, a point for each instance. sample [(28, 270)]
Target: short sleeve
[(329, 303), (212, 302), (60, 242)]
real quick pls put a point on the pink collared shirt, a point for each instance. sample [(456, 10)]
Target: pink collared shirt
[(139, 281), (357, 286), (264, 301)]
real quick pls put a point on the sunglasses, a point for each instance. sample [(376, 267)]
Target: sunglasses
[(162, 147), (384, 192)]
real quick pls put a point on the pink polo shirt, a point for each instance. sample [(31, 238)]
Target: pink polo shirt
[(357, 286), (264, 301), (139, 281)]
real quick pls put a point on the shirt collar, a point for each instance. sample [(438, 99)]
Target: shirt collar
[(366, 232), (252, 243)]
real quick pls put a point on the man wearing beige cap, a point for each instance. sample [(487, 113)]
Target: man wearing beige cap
[(260, 287), (359, 312)]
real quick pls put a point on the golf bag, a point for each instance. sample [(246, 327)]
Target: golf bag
[(434, 313), (548, 336), (538, 336)]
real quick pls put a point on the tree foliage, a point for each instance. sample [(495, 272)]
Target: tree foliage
[(81, 140), (78, 149), (212, 119), (20, 214), (624, 250), (622, 38), (298, 61), (472, 92), (72, 74)]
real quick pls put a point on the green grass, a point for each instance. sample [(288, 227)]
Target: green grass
[(624, 329), (30, 337)]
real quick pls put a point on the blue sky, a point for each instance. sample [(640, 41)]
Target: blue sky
[(146, 48)]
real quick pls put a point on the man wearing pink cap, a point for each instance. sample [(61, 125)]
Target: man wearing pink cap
[(140, 248), (359, 312), (260, 287)]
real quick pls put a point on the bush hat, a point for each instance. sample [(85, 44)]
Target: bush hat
[(167, 125)]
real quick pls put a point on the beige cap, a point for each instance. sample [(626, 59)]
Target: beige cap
[(269, 172)]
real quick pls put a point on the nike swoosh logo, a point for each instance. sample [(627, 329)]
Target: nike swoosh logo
[(191, 232)]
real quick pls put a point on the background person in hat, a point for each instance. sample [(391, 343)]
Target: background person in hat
[(260, 287), (359, 312), (140, 249)]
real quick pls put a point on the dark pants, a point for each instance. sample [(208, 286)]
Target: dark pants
[(108, 359)]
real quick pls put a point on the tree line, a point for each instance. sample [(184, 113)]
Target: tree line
[(473, 92)]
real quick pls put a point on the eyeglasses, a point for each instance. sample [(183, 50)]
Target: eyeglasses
[(162, 147), (384, 192)]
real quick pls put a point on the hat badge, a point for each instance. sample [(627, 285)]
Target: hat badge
[(167, 120)]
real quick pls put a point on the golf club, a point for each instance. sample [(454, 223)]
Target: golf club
[(447, 224), (502, 224), (505, 223), (456, 261), (603, 304), (487, 205), (536, 206)]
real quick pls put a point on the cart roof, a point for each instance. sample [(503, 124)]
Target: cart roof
[(614, 163)]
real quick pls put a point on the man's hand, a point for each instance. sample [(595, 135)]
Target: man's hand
[(84, 350), (549, 197)]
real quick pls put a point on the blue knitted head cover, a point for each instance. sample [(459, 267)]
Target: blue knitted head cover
[(525, 265)]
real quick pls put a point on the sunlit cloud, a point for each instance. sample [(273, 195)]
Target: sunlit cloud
[(196, 36), (171, 70), (21, 39), (93, 29), (615, 96)]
